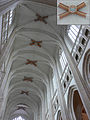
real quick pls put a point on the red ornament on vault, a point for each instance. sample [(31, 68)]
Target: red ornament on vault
[(72, 10)]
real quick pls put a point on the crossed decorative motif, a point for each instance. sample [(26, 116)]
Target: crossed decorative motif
[(37, 43), (31, 62), (25, 92), (20, 107), (72, 10), (40, 18), (28, 79)]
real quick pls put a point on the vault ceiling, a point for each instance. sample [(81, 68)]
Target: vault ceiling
[(31, 62), (48, 2)]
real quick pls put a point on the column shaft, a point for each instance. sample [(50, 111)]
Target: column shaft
[(64, 111)]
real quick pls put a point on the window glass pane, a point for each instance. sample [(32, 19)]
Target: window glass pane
[(74, 26), (11, 13), (10, 19), (71, 37), (74, 31), (72, 34), (62, 63), (63, 60)]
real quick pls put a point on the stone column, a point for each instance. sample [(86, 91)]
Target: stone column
[(1, 100), (1, 103), (64, 111), (43, 110), (50, 104), (78, 78)]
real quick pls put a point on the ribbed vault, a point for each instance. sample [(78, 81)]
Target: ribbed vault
[(28, 82)]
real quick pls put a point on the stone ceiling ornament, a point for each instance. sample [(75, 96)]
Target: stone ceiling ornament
[(41, 18), (72, 10), (25, 92), (28, 79), (31, 62), (20, 107), (37, 43)]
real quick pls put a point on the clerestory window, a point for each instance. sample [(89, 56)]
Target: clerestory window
[(6, 22), (63, 60), (73, 32), (10, 17)]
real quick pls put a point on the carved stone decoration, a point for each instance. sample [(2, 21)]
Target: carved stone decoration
[(20, 107), (31, 62), (28, 79), (72, 10), (37, 43), (41, 18), (25, 92)]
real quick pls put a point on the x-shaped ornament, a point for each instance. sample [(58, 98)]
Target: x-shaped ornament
[(41, 18), (37, 43), (31, 62), (28, 79), (25, 92), (72, 10), (20, 107)]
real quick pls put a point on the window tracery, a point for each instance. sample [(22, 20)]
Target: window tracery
[(6, 23), (77, 52), (10, 17), (80, 44), (63, 60), (73, 32)]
